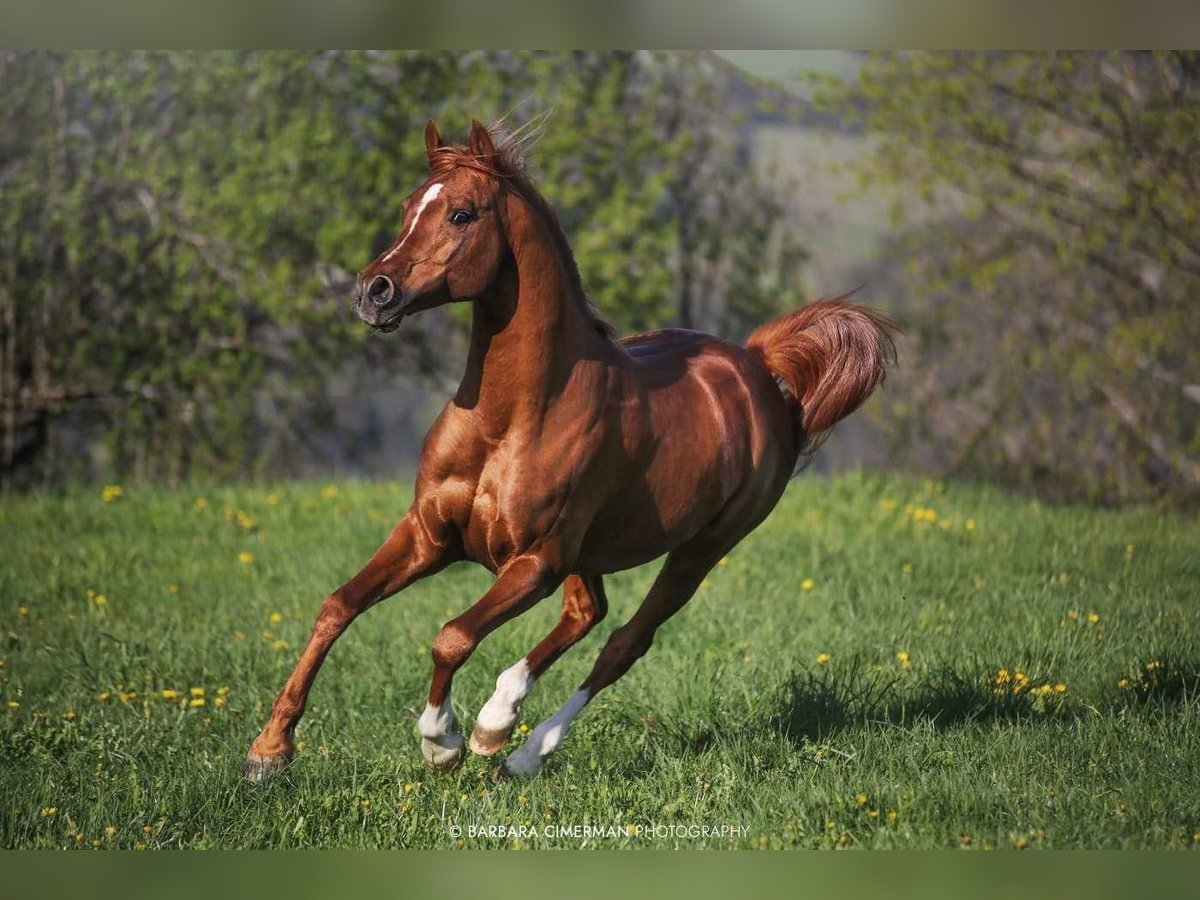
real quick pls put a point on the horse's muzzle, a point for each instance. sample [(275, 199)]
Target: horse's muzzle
[(377, 300), (380, 291)]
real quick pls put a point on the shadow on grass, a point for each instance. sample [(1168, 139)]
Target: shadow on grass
[(811, 706), (814, 705)]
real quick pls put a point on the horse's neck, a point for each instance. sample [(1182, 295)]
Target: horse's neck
[(527, 335)]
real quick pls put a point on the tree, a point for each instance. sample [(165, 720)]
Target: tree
[(178, 233), (1054, 263)]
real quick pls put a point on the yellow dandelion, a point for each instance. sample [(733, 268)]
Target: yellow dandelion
[(196, 702), (172, 589), (48, 811), (275, 618), (280, 645), (1129, 549), (170, 694), (100, 600), (69, 715), (892, 815), (111, 492), (201, 504), (22, 610), (110, 830), (14, 704), (970, 525), (874, 814), (1063, 577), (272, 500), (329, 491), (906, 568), (1123, 683), (219, 701), (861, 799), (1060, 688), (903, 658), (1153, 664), (196, 691), (524, 729), (1072, 614), (1093, 618), (365, 803), (102, 696), (807, 584), (823, 658), (245, 557)]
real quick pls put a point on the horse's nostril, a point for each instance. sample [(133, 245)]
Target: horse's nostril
[(381, 290)]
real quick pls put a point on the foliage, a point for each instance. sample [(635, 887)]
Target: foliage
[(876, 655), (178, 232), (1054, 263)]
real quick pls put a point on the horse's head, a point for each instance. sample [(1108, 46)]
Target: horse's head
[(451, 239)]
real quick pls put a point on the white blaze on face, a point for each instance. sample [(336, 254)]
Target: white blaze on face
[(500, 712), (429, 196), (546, 738)]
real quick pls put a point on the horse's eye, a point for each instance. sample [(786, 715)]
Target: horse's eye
[(462, 216)]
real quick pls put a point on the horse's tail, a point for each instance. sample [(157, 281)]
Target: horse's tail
[(830, 355)]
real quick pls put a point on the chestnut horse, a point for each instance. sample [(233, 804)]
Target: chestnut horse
[(566, 454)]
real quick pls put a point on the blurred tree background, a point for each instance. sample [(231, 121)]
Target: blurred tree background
[(180, 231), (1047, 259), (179, 234)]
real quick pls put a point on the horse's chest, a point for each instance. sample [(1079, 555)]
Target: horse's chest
[(519, 503)]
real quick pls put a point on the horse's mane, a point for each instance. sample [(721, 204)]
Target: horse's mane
[(507, 164)]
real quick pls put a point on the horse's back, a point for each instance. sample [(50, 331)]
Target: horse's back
[(714, 430)]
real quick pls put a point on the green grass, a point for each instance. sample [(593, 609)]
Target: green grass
[(730, 720)]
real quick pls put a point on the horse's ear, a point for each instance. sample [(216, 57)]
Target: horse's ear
[(433, 141), (480, 141)]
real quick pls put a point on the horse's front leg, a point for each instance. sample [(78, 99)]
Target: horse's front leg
[(410, 552), (520, 585)]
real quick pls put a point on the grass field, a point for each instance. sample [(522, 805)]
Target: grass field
[(884, 663)]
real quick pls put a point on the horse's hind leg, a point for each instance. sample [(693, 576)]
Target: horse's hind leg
[(408, 554), (522, 583), (682, 573), (584, 604)]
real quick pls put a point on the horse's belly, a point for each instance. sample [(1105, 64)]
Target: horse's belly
[(653, 513)]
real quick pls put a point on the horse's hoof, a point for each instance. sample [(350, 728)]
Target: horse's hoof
[(258, 769), (444, 755), (485, 742)]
